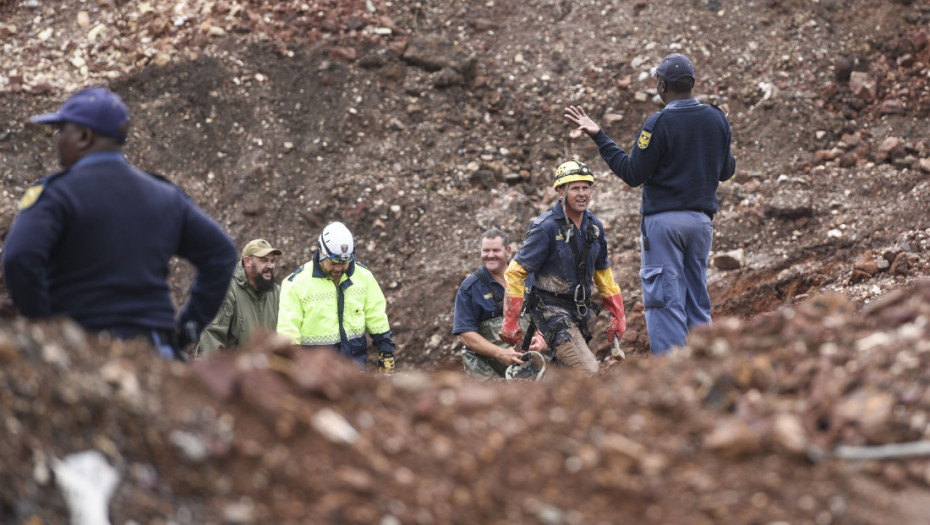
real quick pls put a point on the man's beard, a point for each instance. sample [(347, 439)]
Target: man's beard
[(264, 285)]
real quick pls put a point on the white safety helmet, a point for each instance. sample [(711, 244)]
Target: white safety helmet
[(336, 243), (531, 368)]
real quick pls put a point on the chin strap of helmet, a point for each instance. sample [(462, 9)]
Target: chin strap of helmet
[(568, 222)]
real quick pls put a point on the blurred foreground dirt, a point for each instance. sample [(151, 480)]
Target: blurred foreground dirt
[(739, 427)]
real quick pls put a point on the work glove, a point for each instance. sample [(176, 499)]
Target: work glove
[(385, 363), (617, 326), (538, 344), (510, 331)]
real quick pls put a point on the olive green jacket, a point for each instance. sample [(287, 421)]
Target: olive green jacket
[(244, 309)]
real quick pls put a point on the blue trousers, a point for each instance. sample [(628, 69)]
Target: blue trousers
[(675, 248)]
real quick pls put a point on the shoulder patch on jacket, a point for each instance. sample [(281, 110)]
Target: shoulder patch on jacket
[(31, 196), (35, 191), (298, 270), (645, 135)]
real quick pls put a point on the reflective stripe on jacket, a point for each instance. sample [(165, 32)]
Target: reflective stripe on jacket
[(314, 312)]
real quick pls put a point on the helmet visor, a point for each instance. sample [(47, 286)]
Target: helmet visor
[(341, 258)]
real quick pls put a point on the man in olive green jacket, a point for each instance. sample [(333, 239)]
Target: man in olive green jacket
[(251, 302)]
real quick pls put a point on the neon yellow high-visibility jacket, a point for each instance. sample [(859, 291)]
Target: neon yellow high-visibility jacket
[(314, 312)]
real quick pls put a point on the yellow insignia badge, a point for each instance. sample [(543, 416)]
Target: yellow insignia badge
[(643, 141), (29, 198), (488, 296)]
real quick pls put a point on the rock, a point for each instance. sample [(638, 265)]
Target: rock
[(446, 77), (871, 411), (472, 396), (434, 53), (863, 86), (899, 265), (191, 447), (219, 374), (8, 350), (790, 204), (731, 260), (858, 276), (119, 375), (733, 438), (889, 148), (892, 107), (325, 374), (866, 263), (345, 53), (789, 435), (924, 165), (332, 426), (240, 512), (264, 390)]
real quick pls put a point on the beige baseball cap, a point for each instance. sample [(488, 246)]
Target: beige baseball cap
[(259, 248)]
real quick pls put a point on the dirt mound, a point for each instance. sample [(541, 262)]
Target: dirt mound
[(743, 426), (420, 124)]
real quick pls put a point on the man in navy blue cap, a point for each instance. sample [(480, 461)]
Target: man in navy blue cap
[(681, 155), (93, 241)]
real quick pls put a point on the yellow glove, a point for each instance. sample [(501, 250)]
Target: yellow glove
[(385, 363)]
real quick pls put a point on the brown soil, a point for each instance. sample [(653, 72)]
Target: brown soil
[(419, 125)]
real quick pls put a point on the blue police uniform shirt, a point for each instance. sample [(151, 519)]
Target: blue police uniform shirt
[(551, 261), (475, 303), (681, 155), (93, 242)]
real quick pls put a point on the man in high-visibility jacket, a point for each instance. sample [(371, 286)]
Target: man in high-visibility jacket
[(333, 300)]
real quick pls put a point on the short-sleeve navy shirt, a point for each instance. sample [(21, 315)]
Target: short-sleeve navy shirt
[(474, 303)]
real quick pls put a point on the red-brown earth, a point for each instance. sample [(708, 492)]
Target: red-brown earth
[(419, 125)]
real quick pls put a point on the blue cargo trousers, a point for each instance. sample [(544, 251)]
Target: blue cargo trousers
[(675, 248)]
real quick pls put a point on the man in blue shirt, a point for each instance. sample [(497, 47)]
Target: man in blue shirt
[(681, 155), (479, 313), (93, 241)]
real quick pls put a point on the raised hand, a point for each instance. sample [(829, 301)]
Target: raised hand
[(577, 115)]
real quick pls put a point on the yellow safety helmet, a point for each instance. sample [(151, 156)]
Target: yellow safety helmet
[(572, 171)]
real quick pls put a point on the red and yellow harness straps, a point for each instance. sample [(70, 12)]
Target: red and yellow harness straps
[(613, 301), (510, 331)]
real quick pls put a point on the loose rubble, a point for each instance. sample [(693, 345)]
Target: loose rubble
[(420, 124), (752, 419)]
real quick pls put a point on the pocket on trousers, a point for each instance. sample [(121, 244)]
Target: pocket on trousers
[(654, 287)]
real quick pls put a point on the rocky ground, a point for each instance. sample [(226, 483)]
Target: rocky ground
[(420, 124)]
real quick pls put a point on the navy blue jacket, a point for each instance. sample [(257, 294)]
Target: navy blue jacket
[(93, 242), (551, 261), (474, 303), (681, 155)]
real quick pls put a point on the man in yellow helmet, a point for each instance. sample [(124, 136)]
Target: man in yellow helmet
[(565, 250)]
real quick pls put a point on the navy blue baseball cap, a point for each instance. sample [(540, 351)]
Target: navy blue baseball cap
[(98, 108), (674, 68)]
